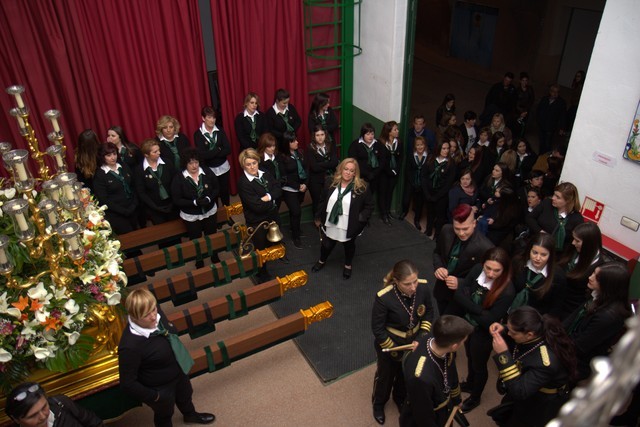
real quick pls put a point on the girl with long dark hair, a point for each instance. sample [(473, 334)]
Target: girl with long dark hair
[(389, 177), (437, 181), (128, 151), (295, 183), (322, 159), (536, 363), (321, 114)]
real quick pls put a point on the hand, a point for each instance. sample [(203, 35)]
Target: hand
[(441, 273), (490, 221), (414, 345), (202, 201), (490, 201), (499, 346), (496, 328), (303, 188), (318, 223), (265, 198), (452, 282)]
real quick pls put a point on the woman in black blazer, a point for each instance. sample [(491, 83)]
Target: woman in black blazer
[(283, 116), (389, 176), (195, 191), (414, 172), (214, 147), (258, 191), (436, 183), (295, 183), (172, 141), (128, 151), (152, 179), (250, 123), (344, 211), (321, 114), (113, 187), (322, 159)]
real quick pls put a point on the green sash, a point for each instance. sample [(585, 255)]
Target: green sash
[(164, 195), (522, 298), (454, 256), (336, 210), (285, 118), (183, 357), (372, 159), (301, 172)]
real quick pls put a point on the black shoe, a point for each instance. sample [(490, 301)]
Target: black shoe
[(386, 220), (392, 216), (417, 225), (378, 414), (402, 216), (317, 266), (297, 243), (199, 418), (465, 387), (346, 273), (469, 404)]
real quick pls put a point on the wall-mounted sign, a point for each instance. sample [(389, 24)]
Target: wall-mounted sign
[(632, 149), (592, 209)]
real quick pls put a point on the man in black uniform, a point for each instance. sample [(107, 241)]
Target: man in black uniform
[(458, 248), (402, 311), (430, 374)]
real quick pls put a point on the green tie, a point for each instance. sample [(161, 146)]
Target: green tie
[(212, 139), (476, 297), (572, 263), (522, 298), (301, 172), (418, 173), (253, 135), (174, 150), (560, 231), (285, 118), (120, 177), (164, 195), (454, 256), (372, 159), (392, 162), (183, 357), (578, 319), (436, 175), (336, 210)]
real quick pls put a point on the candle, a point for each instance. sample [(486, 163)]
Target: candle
[(3, 257), (21, 171), (56, 126), (19, 100), (69, 193), (59, 160), (55, 194), (52, 218), (20, 219), (73, 242), (20, 122)]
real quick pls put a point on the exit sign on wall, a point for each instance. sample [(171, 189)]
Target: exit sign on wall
[(592, 209)]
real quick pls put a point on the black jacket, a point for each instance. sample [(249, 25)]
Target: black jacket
[(278, 127), (443, 184), (181, 141), (148, 188), (251, 193), (543, 218), (319, 166), (110, 192), (243, 126), (184, 192), (290, 168), (69, 414), (330, 120), (360, 209), (212, 157), (359, 152)]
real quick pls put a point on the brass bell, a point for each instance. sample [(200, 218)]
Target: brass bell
[(274, 235)]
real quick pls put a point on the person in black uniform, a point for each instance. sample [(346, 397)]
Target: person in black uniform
[(485, 295), (113, 187), (128, 151), (535, 367), (152, 179), (402, 311), (436, 182), (431, 376), (372, 159), (283, 116), (598, 324), (389, 176), (295, 183), (258, 191), (459, 247), (250, 123), (416, 167), (153, 364), (194, 191), (214, 147), (172, 141), (322, 159), (321, 114), (29, 406)]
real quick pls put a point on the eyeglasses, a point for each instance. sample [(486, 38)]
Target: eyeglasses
[(21, 396)]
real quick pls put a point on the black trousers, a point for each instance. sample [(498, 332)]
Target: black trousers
[(417, 196), (328, 244), (478, 348), (437, 215), (204, 227), (223, 184), (177, 393), (315, 190), (387, 184), (389, 378), (294, 202)]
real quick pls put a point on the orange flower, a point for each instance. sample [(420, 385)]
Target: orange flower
[(23, 302), (51, 323), (35, 305)]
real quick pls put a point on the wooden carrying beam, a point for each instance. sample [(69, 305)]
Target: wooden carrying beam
[(175, 256), (169, 230), (210, 359), (201, 319), (183, 288)]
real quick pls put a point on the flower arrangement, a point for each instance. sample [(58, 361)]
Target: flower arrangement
[(41, 325)]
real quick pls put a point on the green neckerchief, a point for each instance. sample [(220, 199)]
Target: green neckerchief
[(522, 298), (285, 118), (454, 256), (124, 152), (183, 357), (276, 168), (264, 182), (393, 163), (372, 159), (253, 135), (561, 233), (572, 263), (164, 195), (212, 139), (174, 150), (323, 122), (120, 177), (197, 185), (436, 175), (476, 297), (418, 172), (336, 210), (578, 318), (301, 172)]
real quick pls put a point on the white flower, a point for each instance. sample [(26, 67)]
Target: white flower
[(89, 235), (72, 307), (113, 268), (72, 337), (41, 353), (4, 304), (39, 292), (60, 294), (95, 217), (5, 356), (9, 193), (41, 315), (114, 298), (12, 311)]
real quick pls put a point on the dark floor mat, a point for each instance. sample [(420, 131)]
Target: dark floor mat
[(344, 342)]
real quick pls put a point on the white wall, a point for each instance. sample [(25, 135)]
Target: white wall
[(607, 108), (378, 71)]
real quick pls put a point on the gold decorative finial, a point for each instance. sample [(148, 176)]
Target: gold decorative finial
[(318, 312), (234, 209), (292, 281), (271, 253)]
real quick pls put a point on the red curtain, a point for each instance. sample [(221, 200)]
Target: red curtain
[(259, 48), (102, 63)]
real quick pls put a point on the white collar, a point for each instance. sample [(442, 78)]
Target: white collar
[(252, 177), (246, 113), (267, 157), (139, 330), (441, 159), (484, 144), (275, 108), (544, 270), (393, 145), (145, 163), (482, 281), (107, 169), (204, 130), (368, 145), (185, 173), (162, 138)]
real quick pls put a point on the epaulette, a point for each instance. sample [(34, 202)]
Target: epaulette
[(384, 290), (420, 366), (544, 354)]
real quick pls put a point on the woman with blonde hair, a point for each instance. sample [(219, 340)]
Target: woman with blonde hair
[(250, 123), (340, 218), (172, 141), (498, 125)]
